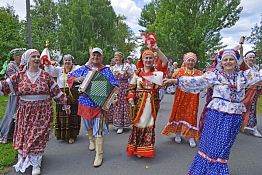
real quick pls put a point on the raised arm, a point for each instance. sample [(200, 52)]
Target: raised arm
[(52, 70), (162, 57)]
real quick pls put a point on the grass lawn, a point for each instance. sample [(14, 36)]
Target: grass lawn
[(8, 155)]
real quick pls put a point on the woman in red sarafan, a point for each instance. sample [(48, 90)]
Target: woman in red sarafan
[(183, 119), (36, 89), (144, 97)]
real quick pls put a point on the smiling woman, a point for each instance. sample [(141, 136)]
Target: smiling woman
[(36, 89), (224, 115)]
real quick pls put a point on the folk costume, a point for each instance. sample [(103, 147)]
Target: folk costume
[(7, 124), (67, 126), (93, 117), (250, 100), (118, 113), (183, 119), (224, 116), (34, 114), (144, 112)]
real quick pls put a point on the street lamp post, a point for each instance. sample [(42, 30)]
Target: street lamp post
[(28, 24)]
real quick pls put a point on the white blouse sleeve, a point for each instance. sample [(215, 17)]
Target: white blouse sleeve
[(197, 84), (252, 77), (54, 71)]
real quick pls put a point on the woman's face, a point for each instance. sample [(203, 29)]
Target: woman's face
[(251, 60), (96, 58), (34, 59), (148, 60), (228, 63), (17, 59), (68, 62), (190, 63), (118, 59)]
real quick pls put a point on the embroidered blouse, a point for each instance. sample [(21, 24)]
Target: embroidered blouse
[(228, 90)]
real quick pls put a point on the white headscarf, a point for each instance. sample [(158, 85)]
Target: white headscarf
[(25, 58)]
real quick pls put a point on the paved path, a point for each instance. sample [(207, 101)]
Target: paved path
[(61, 158)]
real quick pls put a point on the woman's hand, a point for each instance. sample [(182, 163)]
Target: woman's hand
[(169, 81), (67, 109), (79, 79), (131, 101)]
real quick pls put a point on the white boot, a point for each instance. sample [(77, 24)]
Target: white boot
[(91, 140), (178, 138), (120, 131), (256, 132), (36, 170), (99, 151), (192, 143)]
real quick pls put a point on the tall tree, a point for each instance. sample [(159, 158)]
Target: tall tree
[(256, 39), (185, 25), (90, 23), (256, 36), (9, 32), (44, 18), (124, 39), (148, 14)]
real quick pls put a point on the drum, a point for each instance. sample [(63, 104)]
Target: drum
[(99, 89)]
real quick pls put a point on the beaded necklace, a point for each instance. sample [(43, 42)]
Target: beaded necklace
[(232, 80)]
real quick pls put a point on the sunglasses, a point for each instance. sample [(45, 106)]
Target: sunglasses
[(35, 56)]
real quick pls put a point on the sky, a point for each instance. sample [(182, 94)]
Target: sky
[(251, 14)]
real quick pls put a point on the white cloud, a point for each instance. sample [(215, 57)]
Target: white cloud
[(250, 15), (19, 6), (130, 10)]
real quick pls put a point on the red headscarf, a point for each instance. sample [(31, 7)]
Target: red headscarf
[(140, 61)]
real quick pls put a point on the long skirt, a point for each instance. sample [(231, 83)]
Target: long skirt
[(141, 142), (67, 126), (218, 136), (142, 139), (252, 121), (34, 119), (118, 113), (183, 118), (7, 125)]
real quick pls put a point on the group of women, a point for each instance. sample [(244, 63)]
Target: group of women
[(137, 103)]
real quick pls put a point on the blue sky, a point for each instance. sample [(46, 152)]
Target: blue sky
[(250, 15)]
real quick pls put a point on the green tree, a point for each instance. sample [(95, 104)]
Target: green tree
[(256, 39), (44, 26), (9, 32), (90, 23), (185, 25), (124, 39), (148, 14)]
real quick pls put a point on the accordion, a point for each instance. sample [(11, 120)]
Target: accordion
[(98, 88)]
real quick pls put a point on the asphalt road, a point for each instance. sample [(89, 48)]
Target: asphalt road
[(171, 158)]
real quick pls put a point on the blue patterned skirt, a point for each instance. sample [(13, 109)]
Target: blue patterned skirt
[(218, 135)]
